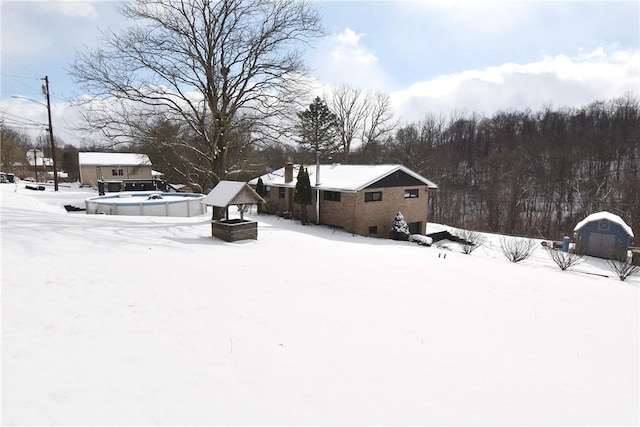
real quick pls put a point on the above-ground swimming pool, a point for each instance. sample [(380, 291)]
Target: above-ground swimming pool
[(147, 203)]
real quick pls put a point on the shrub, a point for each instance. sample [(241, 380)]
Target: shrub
[(621, 265), (517, 249), (399, 229), (470, 241), (421, 240), (564, 260)]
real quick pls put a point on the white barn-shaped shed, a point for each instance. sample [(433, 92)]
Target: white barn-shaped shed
[(603, 234)]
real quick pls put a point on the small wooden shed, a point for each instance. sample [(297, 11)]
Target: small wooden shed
[(233, 193), (603, 235)]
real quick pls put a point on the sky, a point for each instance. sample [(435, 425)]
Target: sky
[(431, 57)]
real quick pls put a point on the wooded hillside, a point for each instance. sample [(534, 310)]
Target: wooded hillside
[(523, 172)]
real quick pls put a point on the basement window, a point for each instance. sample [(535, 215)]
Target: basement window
[(373, 230)]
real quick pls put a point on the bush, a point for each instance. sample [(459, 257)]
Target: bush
[(517, 249), (621, 265), (399, 229), (564, 260), (470, 241), (421, 240)]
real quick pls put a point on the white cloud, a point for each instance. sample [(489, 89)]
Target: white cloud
[(347, 49), (560, 81), (83, 9), (344, 58)]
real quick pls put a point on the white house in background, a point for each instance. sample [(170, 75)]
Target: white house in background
[(113, 167)]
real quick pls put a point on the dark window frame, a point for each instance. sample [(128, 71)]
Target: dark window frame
[(282, 192), (373, 196), (412, 193), (373, 229), (332, 196)]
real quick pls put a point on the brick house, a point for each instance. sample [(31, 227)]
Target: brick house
[(362, 199)]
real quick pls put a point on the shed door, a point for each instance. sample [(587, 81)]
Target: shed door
[(601, 245)]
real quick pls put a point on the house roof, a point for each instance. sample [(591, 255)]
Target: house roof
[(338, 177), (604, 215), (40, 161), (113, 159), (231, 193)]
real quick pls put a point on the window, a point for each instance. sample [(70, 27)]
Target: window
[(281, 192), (117, 172), (373, 196), (334, 196), (411, 194), (267, 191), (603, 225), (373, 230)]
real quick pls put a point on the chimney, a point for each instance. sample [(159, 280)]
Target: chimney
[(288, 172)]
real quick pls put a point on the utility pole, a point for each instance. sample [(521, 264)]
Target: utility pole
[(35, 163), (45, 89)]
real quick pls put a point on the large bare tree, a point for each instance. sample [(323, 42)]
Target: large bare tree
[(222, 71), (367, 117)]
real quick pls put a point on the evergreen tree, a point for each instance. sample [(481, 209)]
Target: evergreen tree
[(303, 194), (261, 192), (318, 127), (400, 229)]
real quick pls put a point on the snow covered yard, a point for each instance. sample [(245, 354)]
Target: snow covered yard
[(149, 320)]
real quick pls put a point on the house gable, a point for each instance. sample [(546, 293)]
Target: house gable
[(398, 178)]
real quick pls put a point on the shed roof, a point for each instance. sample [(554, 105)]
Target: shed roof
[(115, 159), (231, 193), (339, 177), (604, 215)]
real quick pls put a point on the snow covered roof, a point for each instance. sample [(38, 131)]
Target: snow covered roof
[(119, 159), (40, 161), (338, 177), (604, 215), (231, 193)]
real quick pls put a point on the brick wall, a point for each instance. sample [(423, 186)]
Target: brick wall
[(355, 215), (380, 214)]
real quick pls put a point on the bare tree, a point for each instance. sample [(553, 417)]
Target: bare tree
[(564, 260), (517, 249), (211, 67), (622, 266), (379, 121), (351, 109), (470, 240)]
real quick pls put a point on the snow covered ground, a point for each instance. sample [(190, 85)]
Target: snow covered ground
[(147, 320)]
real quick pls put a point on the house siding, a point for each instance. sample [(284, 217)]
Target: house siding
[(381, 213), (89, 173)]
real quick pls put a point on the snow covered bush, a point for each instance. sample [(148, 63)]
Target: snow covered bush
[(517, 249), (399, 229), (421, 240), (621, 265), (470, 240), (564, 260)]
